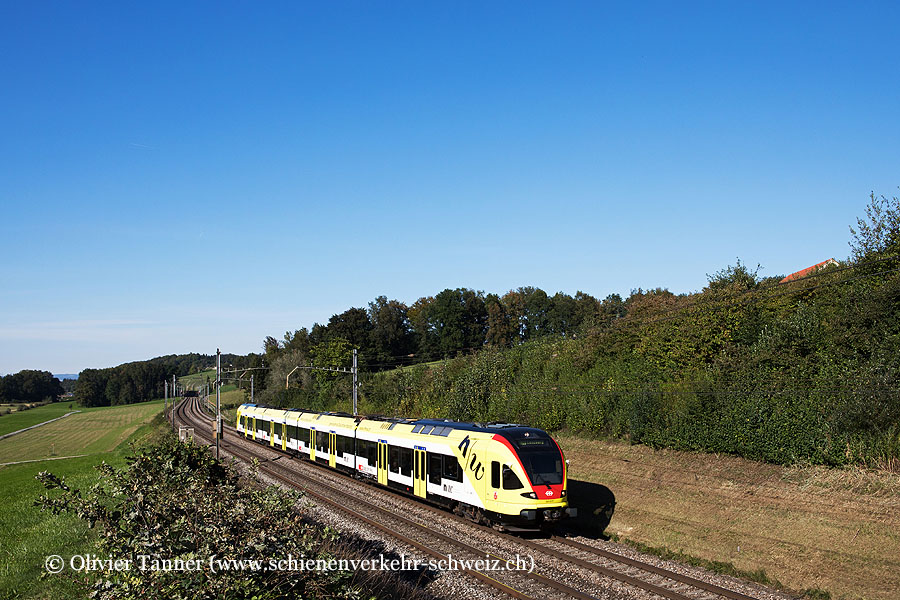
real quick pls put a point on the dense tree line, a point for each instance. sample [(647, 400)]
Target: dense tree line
[(143, 380), (30, 386), (389, 334)]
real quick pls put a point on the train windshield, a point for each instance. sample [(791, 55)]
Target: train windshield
[(540, 456), (544, 467)]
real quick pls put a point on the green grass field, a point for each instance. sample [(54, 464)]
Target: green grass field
[(93, 430), (27, 535), (27, 418)]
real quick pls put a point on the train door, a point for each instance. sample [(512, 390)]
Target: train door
[(493, 470), (419, 473), (254, 429), (284, 436), (312, 444), (272, 433), (382, 462), (332, 449), (247, 422)]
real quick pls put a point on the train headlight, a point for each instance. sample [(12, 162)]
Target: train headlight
[(531, 495), (562, 494)]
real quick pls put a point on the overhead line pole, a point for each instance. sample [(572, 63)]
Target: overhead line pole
[(355, 381), (218, 385)]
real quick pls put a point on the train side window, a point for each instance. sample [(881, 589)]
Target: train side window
[(511, 480), (373, 454), (451, 469), (406, 461), (434, 468), (394, 460), (495, 474)]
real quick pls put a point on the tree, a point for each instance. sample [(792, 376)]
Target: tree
[(611, 308), (390, 335), (562, 315), (499, 329), (91, 388), (459, 320), (586, 308), (536, 308), (880, 231), (423, 331), (738, 278), (32, 386), (299, 340)]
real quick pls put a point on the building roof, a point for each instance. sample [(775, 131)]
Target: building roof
[(809, 270)]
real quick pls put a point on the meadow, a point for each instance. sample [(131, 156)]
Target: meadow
[(27, 535), (91, 431), (21, 419)]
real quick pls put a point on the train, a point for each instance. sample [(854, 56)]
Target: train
[(505, 475)]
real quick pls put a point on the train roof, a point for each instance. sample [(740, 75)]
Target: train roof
[(434, 426)]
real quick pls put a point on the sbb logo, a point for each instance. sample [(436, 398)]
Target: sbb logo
[(548, 493)]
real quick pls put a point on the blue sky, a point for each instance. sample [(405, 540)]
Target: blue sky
[(178, 177)]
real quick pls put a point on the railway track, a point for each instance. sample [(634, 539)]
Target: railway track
[(588, 569)]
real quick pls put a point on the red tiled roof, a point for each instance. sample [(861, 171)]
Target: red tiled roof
[(809, 270)]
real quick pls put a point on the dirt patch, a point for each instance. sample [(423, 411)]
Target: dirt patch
[(807, 527)]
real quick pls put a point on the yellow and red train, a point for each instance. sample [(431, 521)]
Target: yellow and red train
[(503, 474)]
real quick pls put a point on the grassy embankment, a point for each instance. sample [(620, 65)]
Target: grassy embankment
[(27, 535), (808, 528)]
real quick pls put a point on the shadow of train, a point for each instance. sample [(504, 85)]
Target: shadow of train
[(595, 503)]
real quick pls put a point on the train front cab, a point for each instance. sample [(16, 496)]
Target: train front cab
[(525, 480)]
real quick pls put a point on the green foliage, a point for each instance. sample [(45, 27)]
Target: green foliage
[(30, 386), (879, 232), (173, 501), (795, 372)]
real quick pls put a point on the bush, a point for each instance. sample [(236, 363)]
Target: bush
[(173, 501)]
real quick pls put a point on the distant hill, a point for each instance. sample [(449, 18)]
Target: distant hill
[(62, 376)]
